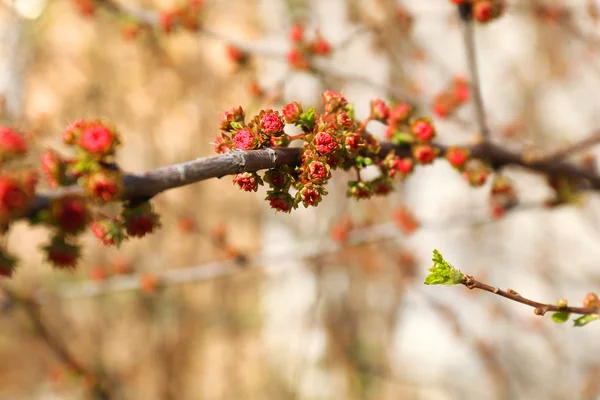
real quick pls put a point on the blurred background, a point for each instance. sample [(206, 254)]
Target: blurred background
[(232, 301)]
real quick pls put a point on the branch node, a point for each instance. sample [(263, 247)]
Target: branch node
[(465, 11), (469, 282)]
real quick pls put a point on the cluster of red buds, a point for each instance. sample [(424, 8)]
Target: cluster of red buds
[(298, 57), (335, 139), (451, 98), (186, 16), (484, 10), (93, 168), (17, 187)]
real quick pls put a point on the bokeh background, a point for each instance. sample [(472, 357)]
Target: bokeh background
[(232, 301)]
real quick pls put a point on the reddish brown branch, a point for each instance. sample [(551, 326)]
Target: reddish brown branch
[(540, 308)]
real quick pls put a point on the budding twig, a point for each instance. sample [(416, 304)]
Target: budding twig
[(540, 308)]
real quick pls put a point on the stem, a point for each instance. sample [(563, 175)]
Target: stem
[(466, 16), (540, 308)]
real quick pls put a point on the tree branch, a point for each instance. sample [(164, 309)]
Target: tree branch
[(573, 148), (540, 308), (148, 184), (58, 348), (466, 15)]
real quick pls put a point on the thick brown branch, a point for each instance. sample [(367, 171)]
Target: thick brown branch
[(149, 184), (540, 308)]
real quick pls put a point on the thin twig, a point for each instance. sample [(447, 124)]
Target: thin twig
[(465, 11), (540, 308), (31, 307), (573, 148)]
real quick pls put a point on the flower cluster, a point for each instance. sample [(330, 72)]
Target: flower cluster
[(484, 10), (335, 139), (451, 98), (303, 49), (17, 187)]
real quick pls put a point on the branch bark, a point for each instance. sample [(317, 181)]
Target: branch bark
[(148, 184), (540, 308)]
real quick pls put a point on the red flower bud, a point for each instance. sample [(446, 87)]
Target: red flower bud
[(423, 129), (483, 11), (245, 139), (271, 123), (297, 60), (399, 114), (324, 143), (281, 201), (352, 141), (140, 220), (457, 157), (13, 199), (222, 145), (311, 195), (400, 167), (236, 114), (359, 190), (166, 20), (12, 143), (318, 172), (296, 33), (108, 230), (333, 101), (425, 154), (278, 178), (70, 214), (61, 253), (73, 131), (292, 112), (405, 220), (247, 181), (379, 110), (104, 185), (98, 139), (320, 46), (54, 168)]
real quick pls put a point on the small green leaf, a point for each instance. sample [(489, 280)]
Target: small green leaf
[(400, 138), (236, 125), (367, 161), (585, 319), (442, 272), (561, 317)]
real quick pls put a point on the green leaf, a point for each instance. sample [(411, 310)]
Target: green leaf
[(236, 125), (367, 161), (561, 317), (400, 138), (585, 319), (442, 272)]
